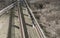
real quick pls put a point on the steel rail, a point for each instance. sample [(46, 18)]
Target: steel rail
[(7, 8), (38, 28), (20, 19)]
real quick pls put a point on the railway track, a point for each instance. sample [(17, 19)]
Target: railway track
[(23, 28), (37, 27)]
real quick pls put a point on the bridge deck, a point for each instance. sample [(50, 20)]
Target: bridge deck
[(4, 24)]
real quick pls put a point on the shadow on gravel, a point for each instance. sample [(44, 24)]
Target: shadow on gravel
[(11, 30)]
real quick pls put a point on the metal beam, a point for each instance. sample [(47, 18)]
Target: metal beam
[(7, 8)]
